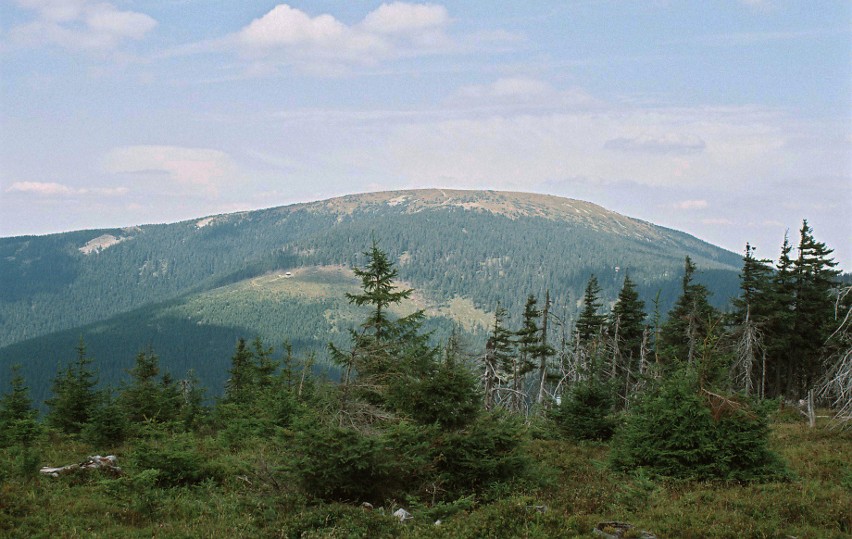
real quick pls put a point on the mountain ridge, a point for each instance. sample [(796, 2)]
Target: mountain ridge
[(477, 248)]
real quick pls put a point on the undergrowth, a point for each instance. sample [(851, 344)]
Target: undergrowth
[(250, 491)]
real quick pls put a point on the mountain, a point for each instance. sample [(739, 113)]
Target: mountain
[(190, 288)]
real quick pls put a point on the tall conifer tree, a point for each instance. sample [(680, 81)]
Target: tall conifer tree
[(74, 395), (813, 313), (689, 322), (590, 321), (499, 357), (628, 313)]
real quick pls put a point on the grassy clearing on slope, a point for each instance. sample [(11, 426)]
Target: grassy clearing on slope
[(325, 285)]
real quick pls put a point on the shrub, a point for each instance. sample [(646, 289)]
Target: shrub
[(448, 396), (586, 412), (108, 426), (681, 431), (341, 464), (176, 460), (489, 451)]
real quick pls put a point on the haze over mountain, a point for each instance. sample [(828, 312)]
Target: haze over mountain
[(189, 289)]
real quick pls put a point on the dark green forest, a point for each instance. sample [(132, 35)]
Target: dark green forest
[(547, 427), (169, 286)]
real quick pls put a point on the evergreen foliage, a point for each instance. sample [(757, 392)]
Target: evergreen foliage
[(689, 323), (797, 316), (490, 451), (498, 361), (590, 321), (586, 411), (753, 303), (74, 395), (813, 308), (379, 292), (343, 464), (749, 320), (448, 396), (680, 430), (530, 346), (779, 325), (626, 326), (628, 315), (149, 396), (386, 356), (18, 420), (109, 424), (242, 375)]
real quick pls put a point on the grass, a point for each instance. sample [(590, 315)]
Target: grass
[(255, 496)]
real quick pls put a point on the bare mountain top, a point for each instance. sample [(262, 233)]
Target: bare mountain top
[(506, 203)]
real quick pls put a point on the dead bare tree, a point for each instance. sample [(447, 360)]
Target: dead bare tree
[(748, 350), (836, 385)]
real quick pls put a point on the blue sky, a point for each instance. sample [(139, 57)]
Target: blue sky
[(730, 120)]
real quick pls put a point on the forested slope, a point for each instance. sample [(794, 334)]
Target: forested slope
[(184, 286)]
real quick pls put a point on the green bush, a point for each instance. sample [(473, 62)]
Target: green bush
[(176, 460), (586, 412), (681, 431), (108, 426), (448, 396), (341, 464), (489, 451)]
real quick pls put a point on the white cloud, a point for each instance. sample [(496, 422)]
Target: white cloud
[(40, 188), (322, 43), (672, 143), (193, 167), (53, 189), (691, 204), (510, 94), (504, 144), (80, 24), (718, 221), (285, 25), (513, 87), (402, 18)]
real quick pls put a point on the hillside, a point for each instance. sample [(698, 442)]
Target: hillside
[(463, 251)]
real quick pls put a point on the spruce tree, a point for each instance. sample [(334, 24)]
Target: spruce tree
[(109, 425), (528, 338), (626, 326), (690, 321), (18, 423), (779, 325), (265, 366), (628, 314), (74, 396), (749, 319), (141, 398), (379, 291), (448, 396), (241, 383), (755, 283), (386, 356), (813, 312), (590, 322), (498, 359), (681, 429)]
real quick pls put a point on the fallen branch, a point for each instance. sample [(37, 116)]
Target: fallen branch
[(108, 463)]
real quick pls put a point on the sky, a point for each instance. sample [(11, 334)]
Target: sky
[(730, 120)]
